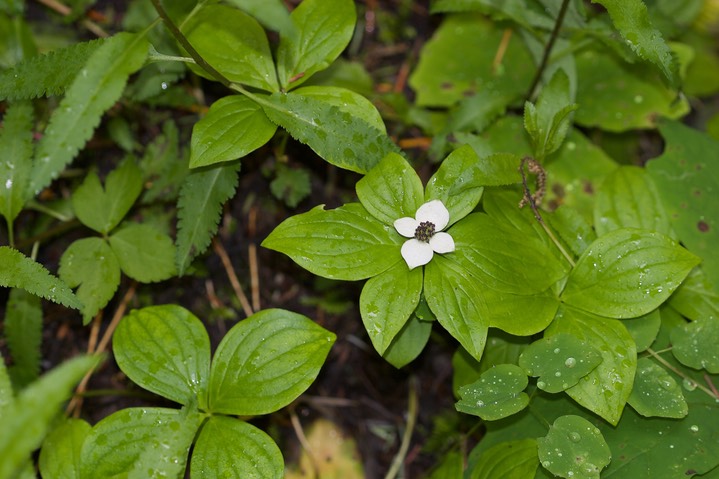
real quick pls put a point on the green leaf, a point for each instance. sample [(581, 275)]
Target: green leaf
[(90, 265), (228, 447), (19, 271), (48, 74), (499, 169), (627, 273), (387, 301), (144, 253), (509, 460), (164, 166), (687, 177), (547, 122), (391, 190), (644, 329), (6, 392), (448, 71), (695, 344), (345, 243), (559, 361), (233, 127), (265, 362), (102, 210), (616, 96), (409, 342), (655, 393), (521, 314), (156, 437), (496, 394), (455, 298), (458, 183), (628, 198), (631, 18), (574, 448), (60, 453), (272, 14), (23, 333), (499, 256), (234, 44), (203, 193), (97, 86), (605, 389), (291, 185), (695, 299), (26, 421), (16, 164), (165, 349), (320, 31), (332, 128)]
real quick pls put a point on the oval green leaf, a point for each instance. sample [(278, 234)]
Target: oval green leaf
[(508, 460), (409, 342), (265, 362), (143, 252), (695, 344), (574, 449), (498, 393), (627, 273), (233, 127), (656, 393), (60, 453), (165, 349)]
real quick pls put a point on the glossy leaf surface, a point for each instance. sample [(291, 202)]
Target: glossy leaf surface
[(498, 393)]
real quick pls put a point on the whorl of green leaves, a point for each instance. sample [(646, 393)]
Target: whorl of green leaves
[(46, 75)]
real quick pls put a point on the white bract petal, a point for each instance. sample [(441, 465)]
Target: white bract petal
[(406, 226), (442, 243), (416, 253), (435, 212)]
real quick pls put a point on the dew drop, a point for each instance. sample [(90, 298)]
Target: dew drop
[(546, 464), (556, 350), (694, 428), (480, 403), (689, 385), (541, 384), (575, 437), (570, 362)]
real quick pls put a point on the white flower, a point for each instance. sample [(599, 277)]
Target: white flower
[(425, 233)]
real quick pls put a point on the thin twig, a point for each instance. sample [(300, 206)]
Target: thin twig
[(300, 433), (64, 10), (666, 364), (501, 50), (548, 49), (412, 410), (254, 277), (230, 270)]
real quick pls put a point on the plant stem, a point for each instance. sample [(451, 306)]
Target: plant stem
[(666, 364), (547, 49), (187, 45), (412, 411)]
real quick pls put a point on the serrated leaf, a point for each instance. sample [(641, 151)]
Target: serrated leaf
[(103, 209), (46, 75), (574, 449), (291, 185), (627, 273), (387, 301), (23, 333), (409, 342), (90, 265), (606, 388), (559, 361), (320, 31), (695, 344), (60, 453), (448, 71), (26, 421), (628, 198), (19, 271), (509, 460), (616, 96), (644, 329), (165, 349), (391, 190), (547, 122), (498, 393), (228, 447), (331, 128), (118, 442), (455, 298), (143, 252), (164, 166), (687, 176), (272, 14), (631, 18), (345, 243), (656, 393), (203, 193), (265, 362), (458, 183), (233, 43), (233, 127), (97, 86), (16, 163)]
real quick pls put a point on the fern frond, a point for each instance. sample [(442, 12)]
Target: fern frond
[(200, 207), (46, 75)]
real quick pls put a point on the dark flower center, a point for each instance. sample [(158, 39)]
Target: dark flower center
[(424, 231)]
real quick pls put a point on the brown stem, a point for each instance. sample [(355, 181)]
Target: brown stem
[(548, 49)]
